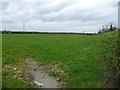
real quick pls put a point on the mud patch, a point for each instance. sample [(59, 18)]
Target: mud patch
[(41, 78)]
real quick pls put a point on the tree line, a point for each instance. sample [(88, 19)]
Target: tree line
[(32, 32), (107, 28)]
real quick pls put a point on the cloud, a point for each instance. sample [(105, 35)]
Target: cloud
[(70, 14)]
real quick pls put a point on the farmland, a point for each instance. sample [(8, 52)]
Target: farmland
[(79, 56)]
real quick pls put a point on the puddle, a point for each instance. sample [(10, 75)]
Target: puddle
[(40, 77)]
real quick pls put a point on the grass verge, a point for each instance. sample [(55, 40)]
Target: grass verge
[(109, 54)]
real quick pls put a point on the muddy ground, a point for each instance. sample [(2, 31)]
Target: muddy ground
[(40, 77)]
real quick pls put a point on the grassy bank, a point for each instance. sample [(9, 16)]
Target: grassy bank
[(109, 54), (78, 55)]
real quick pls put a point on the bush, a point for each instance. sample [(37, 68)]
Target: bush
[(110, 52)]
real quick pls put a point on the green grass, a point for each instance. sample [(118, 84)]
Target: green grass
[(109, 54), (0, 61), (77, 55)]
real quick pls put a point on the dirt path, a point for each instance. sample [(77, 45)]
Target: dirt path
[(40, 77)]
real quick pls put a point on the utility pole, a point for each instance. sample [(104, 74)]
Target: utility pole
[(103, 29), (23, 25), (83, 32), (106, 27), (119, 14)]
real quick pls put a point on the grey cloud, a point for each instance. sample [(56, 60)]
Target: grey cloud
[(50, 8), (8, 22), (11, 1), (49, 12), (75, 16), (4, 5), (58, 11)]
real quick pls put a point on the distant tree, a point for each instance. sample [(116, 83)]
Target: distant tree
[(111, 26), (114, 28), (107, 29), (4, 31), (99, 31)]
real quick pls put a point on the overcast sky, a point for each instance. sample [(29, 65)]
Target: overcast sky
[(58, 15)]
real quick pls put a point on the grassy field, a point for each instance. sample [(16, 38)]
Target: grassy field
[(78, 55)]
